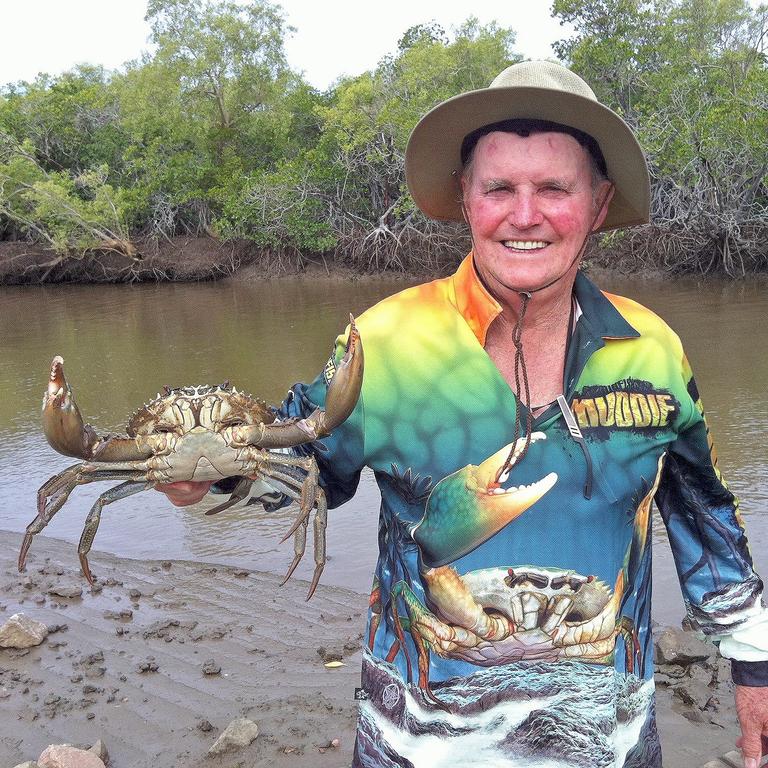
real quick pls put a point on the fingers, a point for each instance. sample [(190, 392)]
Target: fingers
[(185, 492), (752, 711)]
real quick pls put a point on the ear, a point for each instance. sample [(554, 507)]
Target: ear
[(603, 196), (461, 186)]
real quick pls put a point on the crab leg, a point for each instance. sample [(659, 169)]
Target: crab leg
[(65, 431), (52, 495), (314, 497), (340, 401), (239, 492), (121, 491)]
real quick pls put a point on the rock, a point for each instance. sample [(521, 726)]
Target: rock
[(237, 735), (327, 654), (693, 693), (66, 590), (204, 725), (134, 594), (150, 665), (677, 647), (671, 670), (696, 716), (701, 673), (28, 764), (100, 750), (22, 632), (65, 756), (210, 667)]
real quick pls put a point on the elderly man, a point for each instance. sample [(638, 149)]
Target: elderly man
[(520, 422)]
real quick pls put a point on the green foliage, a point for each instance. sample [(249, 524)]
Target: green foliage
[(72, 213), (213, 133), (690, 76)]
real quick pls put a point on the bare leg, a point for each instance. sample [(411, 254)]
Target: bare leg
[(94, 518)]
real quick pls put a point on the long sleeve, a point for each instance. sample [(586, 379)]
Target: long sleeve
[(721, 590)]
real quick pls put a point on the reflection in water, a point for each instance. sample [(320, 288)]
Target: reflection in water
[(122, 344)]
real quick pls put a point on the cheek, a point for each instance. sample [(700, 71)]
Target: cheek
[(484, 216), (566, 221)]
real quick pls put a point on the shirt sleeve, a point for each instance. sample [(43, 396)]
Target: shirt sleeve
[(722, 592)]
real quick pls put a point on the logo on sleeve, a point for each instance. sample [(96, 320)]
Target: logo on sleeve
[(629, 404)]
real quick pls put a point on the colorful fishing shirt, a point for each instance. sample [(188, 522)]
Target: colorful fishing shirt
[(510, 611)]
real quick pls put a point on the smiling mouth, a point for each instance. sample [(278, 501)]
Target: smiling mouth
[(524, 245)]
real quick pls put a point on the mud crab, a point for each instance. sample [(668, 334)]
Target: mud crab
[(195, 433)]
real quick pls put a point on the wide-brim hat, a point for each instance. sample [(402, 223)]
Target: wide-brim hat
[(538, 90)]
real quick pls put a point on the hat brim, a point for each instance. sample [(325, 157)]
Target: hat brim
[(433, 156)]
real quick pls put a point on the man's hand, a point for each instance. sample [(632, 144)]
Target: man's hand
[(185, 492), (752, 710)]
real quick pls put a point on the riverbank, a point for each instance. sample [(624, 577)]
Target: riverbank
[(161, 656), (189, 259)]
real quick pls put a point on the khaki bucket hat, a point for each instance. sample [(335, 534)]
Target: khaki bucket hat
[(538, 90)]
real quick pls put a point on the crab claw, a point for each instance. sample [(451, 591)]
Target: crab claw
[(456, 522), (340, 400), (62, 423)]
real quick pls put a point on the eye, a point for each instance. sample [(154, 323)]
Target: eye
[(552, 188)]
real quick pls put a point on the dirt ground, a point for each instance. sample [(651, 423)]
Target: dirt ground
[(162, 655)]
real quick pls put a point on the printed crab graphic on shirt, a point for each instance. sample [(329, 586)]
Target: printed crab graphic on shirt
[(538, 622), (500, 615)]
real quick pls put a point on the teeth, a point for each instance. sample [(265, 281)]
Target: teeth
[(525, 245)]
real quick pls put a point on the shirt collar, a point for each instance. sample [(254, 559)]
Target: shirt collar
[(479, 309)]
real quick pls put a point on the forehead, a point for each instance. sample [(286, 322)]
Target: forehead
[(504, 151)]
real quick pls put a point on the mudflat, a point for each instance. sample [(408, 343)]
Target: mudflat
[(161, 656)]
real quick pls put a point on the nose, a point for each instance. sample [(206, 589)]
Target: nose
[(524, 211)]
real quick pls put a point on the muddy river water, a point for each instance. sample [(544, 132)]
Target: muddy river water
[(121, 344)]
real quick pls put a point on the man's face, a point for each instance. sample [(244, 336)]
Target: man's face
[(530, 203)]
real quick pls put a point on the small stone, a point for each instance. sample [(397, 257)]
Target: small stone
[(22, 632), (693, 693), (166, 564), (100, 750), (683, 648), (204, 725), (210, 667), (66, 590), (150, 665), (237, 735), (66, 756), (134, 594), (701, 673), (697, 716), (733, 758)]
